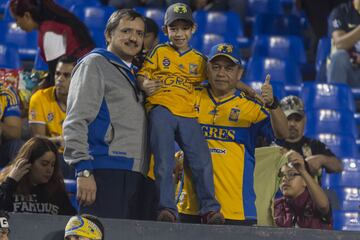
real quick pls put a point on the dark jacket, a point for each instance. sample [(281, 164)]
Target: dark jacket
[(37, 201)]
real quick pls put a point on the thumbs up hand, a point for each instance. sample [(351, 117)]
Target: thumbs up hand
[(267, 91)]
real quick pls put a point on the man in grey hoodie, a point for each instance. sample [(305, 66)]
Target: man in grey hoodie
[(105, 128)]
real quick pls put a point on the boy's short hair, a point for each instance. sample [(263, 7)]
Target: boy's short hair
[(178, 11)]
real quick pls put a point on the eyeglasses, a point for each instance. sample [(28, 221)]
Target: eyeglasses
[(289, 176)]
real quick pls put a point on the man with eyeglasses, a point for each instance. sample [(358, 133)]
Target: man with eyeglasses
[(316, 154), (304, 204), (48, 108)]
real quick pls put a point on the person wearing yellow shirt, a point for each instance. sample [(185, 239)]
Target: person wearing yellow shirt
[(47, 108), (231, 123), (179, 68), (10, 124)]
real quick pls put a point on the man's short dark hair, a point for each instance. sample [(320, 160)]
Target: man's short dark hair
[(115, 18), (151, 26), (68, 59)]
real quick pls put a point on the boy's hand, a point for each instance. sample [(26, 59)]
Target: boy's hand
[(150, 86), (296, 160)]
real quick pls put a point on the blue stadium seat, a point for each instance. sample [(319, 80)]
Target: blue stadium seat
[(275, 24), (322, 52), (282, 47), (157, 15), (346, 220), (256, 7), (341, 146), (26, 42), (327, 96), (349, 198), (7, 16), (70, 3), (94, 17), (70, 187), (350, 179), (9, 56), (331, 121), (278, 88), (287, 72), (98, 37), (227, 24), (39, 63), (208, 40)]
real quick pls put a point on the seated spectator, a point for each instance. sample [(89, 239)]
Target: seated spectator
[(10, 124), (33, 183), (151, 39), (344, 27), (316, 154), (84, 227), (4, 226), (304, 204), (48, 108), (60, 32)]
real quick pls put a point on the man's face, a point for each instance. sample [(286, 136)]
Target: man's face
[(150, 40), (291, 182), (296, 124), (127, 38), (223, 74), (63, 77)]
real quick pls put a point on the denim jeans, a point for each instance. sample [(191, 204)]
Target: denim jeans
[(165, 129), (341, 70)]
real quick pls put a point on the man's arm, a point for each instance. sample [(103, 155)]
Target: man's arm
[(331, 163), (38, 129), (277, 116), (86, 94), (11, 127), (344, 40)]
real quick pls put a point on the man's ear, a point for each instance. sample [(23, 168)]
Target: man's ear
[(107, 38), (240, 73)]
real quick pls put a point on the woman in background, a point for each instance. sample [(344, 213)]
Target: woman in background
[(60, 32), (33, 183)]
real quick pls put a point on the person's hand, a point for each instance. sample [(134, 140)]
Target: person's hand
[(150, 86), (179, 166), (86, 190), (296, 160), (21, 168), (314, 163), (267, 91)]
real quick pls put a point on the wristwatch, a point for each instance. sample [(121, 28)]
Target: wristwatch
[(84, 173), (274, 105)]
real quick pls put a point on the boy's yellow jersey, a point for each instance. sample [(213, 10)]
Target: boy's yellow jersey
[(44, 109), (9, 102), (179, 73), (231, 127)]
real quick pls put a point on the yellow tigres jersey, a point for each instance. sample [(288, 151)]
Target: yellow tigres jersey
[(9, 102), (230, 126), (179, 73), (44, 109)]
